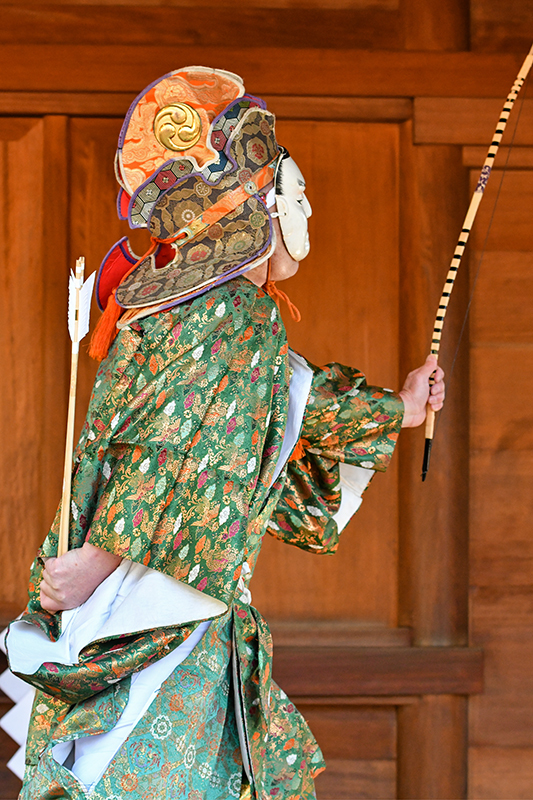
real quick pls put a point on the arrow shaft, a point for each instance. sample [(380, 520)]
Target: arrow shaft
[(64, 522)]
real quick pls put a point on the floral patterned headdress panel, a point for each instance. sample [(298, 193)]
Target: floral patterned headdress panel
[(194, 156)]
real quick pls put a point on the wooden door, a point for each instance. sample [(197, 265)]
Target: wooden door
[(370, 644), (346, 610)]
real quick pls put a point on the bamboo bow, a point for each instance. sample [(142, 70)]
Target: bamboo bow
[(463, 239)]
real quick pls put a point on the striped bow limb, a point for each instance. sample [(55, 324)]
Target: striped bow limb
[(463, 239)]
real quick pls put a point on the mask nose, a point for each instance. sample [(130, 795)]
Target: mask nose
[(306, 205)]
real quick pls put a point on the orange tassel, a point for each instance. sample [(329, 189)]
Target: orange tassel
[(106, 330), (277, 295)]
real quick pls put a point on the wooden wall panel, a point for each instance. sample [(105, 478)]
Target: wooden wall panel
[(501, 773), (499, 314), (501, 545), (501, 749), (353, 733), (433, 533), (458, 120), (501, 25), (274, 70), (341, 27), (501, 623), (94, 225), (32, 348), (357, 780), (510, 369), (116, 104), (347, 291), (510, 227)]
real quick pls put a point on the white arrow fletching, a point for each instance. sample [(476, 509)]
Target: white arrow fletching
[(84, 310), (85, 306)]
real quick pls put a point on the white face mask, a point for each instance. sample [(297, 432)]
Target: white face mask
[(293, 207)]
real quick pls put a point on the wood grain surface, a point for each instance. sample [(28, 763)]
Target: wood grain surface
[(33, 349), (347, 292), (287, 26), (274, 70), (434, 514), (379, 670), (458, 120), (116, 104), (344, 77)]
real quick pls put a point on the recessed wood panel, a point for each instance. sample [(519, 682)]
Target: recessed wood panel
[(347, 292), (94, 225), (505, 212), (497, 26), (347, 288), (353, 732), (501, 545), (500, 773), (501, 308), (499, 372), (32, 346), (457, 120), (364, 780)]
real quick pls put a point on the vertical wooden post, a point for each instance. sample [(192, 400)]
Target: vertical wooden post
[(53, 337), (433, 588), (33, 347), (433, 515)]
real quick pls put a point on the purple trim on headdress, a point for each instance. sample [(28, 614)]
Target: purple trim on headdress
[(127, 255), (119, 204), (122, 134)]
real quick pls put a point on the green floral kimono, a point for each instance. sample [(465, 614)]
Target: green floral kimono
[(175, 470)]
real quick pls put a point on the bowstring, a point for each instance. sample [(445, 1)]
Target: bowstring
[(484, 247)]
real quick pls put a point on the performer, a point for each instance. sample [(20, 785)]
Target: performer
[(204, 431)]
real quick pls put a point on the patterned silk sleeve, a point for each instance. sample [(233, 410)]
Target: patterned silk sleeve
[(349, 430), (181, 439)]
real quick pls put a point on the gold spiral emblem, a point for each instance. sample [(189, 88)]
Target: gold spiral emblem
[(178, 126)]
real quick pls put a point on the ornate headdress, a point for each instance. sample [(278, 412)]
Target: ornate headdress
[(194, 156)]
